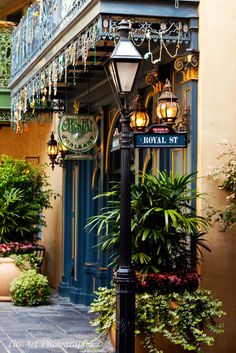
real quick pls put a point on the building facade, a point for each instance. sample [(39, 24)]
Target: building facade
[(59, 51), (58, 61)]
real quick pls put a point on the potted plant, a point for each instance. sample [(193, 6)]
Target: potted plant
[(14, 258), (164, 225), (186, 319), (24, 193)]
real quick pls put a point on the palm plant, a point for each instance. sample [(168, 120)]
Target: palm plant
[(17, 220), (163, 223)]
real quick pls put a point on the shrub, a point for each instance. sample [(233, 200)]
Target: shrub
[(30, 289), (225, 174), (24, 193)]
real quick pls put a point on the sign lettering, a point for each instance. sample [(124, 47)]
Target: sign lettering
[(78, 133), (160, 140)]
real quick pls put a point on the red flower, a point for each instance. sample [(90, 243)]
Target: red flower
[(167, 282), (16, 248)]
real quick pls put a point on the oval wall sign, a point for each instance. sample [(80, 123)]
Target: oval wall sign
[(78, 133)]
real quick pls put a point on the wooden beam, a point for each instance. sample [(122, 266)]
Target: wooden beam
[(63, 84), (7, 8)]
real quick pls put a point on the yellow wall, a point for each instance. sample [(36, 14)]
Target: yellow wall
[(217, 124), (33, 144)]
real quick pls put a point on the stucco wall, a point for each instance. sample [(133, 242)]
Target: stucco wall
[(33, 144), (216, 125)]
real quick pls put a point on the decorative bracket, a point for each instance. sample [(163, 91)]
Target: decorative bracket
[(183, 123), (188, 65), (153, 80)]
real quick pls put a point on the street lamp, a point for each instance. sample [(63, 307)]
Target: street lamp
[(123, 66)]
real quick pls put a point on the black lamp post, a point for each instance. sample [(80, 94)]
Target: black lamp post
[(123, 66)]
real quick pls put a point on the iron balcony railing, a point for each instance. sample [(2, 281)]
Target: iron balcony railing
[(5, 58), (42, 23)]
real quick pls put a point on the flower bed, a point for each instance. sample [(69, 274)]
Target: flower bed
[(15, 248), (167, 282)]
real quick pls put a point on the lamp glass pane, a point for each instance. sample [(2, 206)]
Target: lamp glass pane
[(171, 110), (159, 111), (139, 120), (163, 110), (113, 74), (127, 73), (62, 147), (52, 150)]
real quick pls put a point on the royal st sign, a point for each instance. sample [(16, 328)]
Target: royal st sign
[(157, 136), (158, 140)]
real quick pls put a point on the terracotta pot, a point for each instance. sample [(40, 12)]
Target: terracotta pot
[(161, 342), (8, 272)]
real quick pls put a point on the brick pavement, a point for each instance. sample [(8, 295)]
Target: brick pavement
[(58, 327)]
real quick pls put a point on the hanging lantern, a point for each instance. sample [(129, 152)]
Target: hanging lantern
[(168, 108), (139, 120), (52, 150)]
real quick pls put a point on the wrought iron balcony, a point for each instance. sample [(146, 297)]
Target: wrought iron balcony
[(60, 43), (5, 57), (43, 22), (5, 71)]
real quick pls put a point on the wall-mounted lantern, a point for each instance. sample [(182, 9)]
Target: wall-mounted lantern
[(62, 149), (168, 108), (53, 148), (139, 119)]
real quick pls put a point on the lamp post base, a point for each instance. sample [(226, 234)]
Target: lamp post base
[(125, 309)]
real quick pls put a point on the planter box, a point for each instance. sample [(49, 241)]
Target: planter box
[(161, 342)]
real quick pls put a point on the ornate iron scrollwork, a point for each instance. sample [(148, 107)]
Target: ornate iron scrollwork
[(183, 123), (188, 65), (152, 79), (5, 58)]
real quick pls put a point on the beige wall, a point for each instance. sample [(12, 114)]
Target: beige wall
[(217, 124), (33, 144)]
